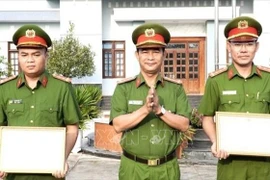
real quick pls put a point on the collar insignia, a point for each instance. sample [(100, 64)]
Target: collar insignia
[(30, 33), (149, 32), (242, 24)]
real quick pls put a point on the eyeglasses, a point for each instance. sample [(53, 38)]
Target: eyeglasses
[(239, 45)]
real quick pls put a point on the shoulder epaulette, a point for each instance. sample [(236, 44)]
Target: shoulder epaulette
[(2, 81), (126, 80), (62, 78), (264, 68), (217, 72), (176, 81)]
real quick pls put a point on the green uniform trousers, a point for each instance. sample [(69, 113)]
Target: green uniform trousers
[(31, 177), (131, 170), (244, 168)]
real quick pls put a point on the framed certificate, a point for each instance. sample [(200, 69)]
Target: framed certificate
[(243, 133), (32, 149)]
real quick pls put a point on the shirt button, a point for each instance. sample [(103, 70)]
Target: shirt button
[(152, 125), (230, 102), (31, 121), (247, 111), (33, 92), (32, 107), (13, 110), (247, 95)]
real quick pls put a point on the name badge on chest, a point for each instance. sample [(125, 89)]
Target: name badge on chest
[(135, 102), (15, 101), (231, 92)]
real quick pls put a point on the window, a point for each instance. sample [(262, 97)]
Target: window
[(113, 58), (13, 58)]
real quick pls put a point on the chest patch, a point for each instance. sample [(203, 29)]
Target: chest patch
[(135, 102), (232, 92)]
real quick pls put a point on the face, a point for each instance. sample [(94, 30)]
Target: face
[(32, 61), (242, 52), (150, 59)]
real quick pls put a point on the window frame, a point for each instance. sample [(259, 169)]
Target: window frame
[(113, 50)]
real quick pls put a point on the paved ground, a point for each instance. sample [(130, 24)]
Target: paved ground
[(89, 167)]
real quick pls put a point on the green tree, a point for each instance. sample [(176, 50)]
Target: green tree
[(70, 58), (5, 68)]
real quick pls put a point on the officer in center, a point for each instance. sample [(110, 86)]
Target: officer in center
[(150, 110)]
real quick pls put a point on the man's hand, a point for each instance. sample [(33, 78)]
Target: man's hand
[(3, 174), (61, 174), (152, 102), (220, 154)]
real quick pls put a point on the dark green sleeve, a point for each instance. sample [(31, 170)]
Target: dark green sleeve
[(71, 111), (118, 102), (182, 105), (3, 118), (210, 100)]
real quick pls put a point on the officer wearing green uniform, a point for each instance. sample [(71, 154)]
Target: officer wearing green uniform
[(240, 87), (151, 111), (36, 98)]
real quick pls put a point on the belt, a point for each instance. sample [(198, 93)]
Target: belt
[(150, 162)]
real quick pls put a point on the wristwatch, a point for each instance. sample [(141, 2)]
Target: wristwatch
[(162, 111)]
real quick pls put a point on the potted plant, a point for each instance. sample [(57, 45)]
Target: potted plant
[(88, 98)]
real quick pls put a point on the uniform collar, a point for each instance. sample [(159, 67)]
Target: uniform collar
[(232, 72), (140, 80), (43, 79)]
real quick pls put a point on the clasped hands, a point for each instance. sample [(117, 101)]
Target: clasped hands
[(152, 101)]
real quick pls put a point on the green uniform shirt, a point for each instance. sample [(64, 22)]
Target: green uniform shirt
[(229, 91), (51, 104), (151, 138)]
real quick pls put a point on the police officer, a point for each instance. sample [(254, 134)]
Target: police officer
[(150, 110), (37, 98), (240, 87)]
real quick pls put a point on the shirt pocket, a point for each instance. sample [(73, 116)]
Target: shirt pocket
[(262, 102), (229, 101), (263, 98), (50, 115), (134, 105), (15, 112)]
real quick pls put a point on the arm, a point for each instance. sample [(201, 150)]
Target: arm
[(71, 137), (127, 121), (176, 121)]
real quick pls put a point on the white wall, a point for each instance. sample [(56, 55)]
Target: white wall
[(25, 4), (261, 13)]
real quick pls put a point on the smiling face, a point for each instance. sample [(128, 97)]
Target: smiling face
[(242, 52), (32, 61), (150, 59)]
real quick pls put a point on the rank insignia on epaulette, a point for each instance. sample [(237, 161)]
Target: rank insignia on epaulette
[(219, 71), (2, 81), (126, 80), (176, 81), (62, 78), (264, 68)]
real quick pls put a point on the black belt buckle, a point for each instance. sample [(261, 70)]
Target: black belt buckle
[(153, 162)]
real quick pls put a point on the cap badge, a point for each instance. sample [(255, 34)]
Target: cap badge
[(30, 33), (242, 24), (149, 32)]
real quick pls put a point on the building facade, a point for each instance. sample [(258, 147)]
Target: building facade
[(107, 26)]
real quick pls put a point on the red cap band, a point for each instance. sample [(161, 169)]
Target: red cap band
[(156, 39), (32, 41), (245, 31)]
